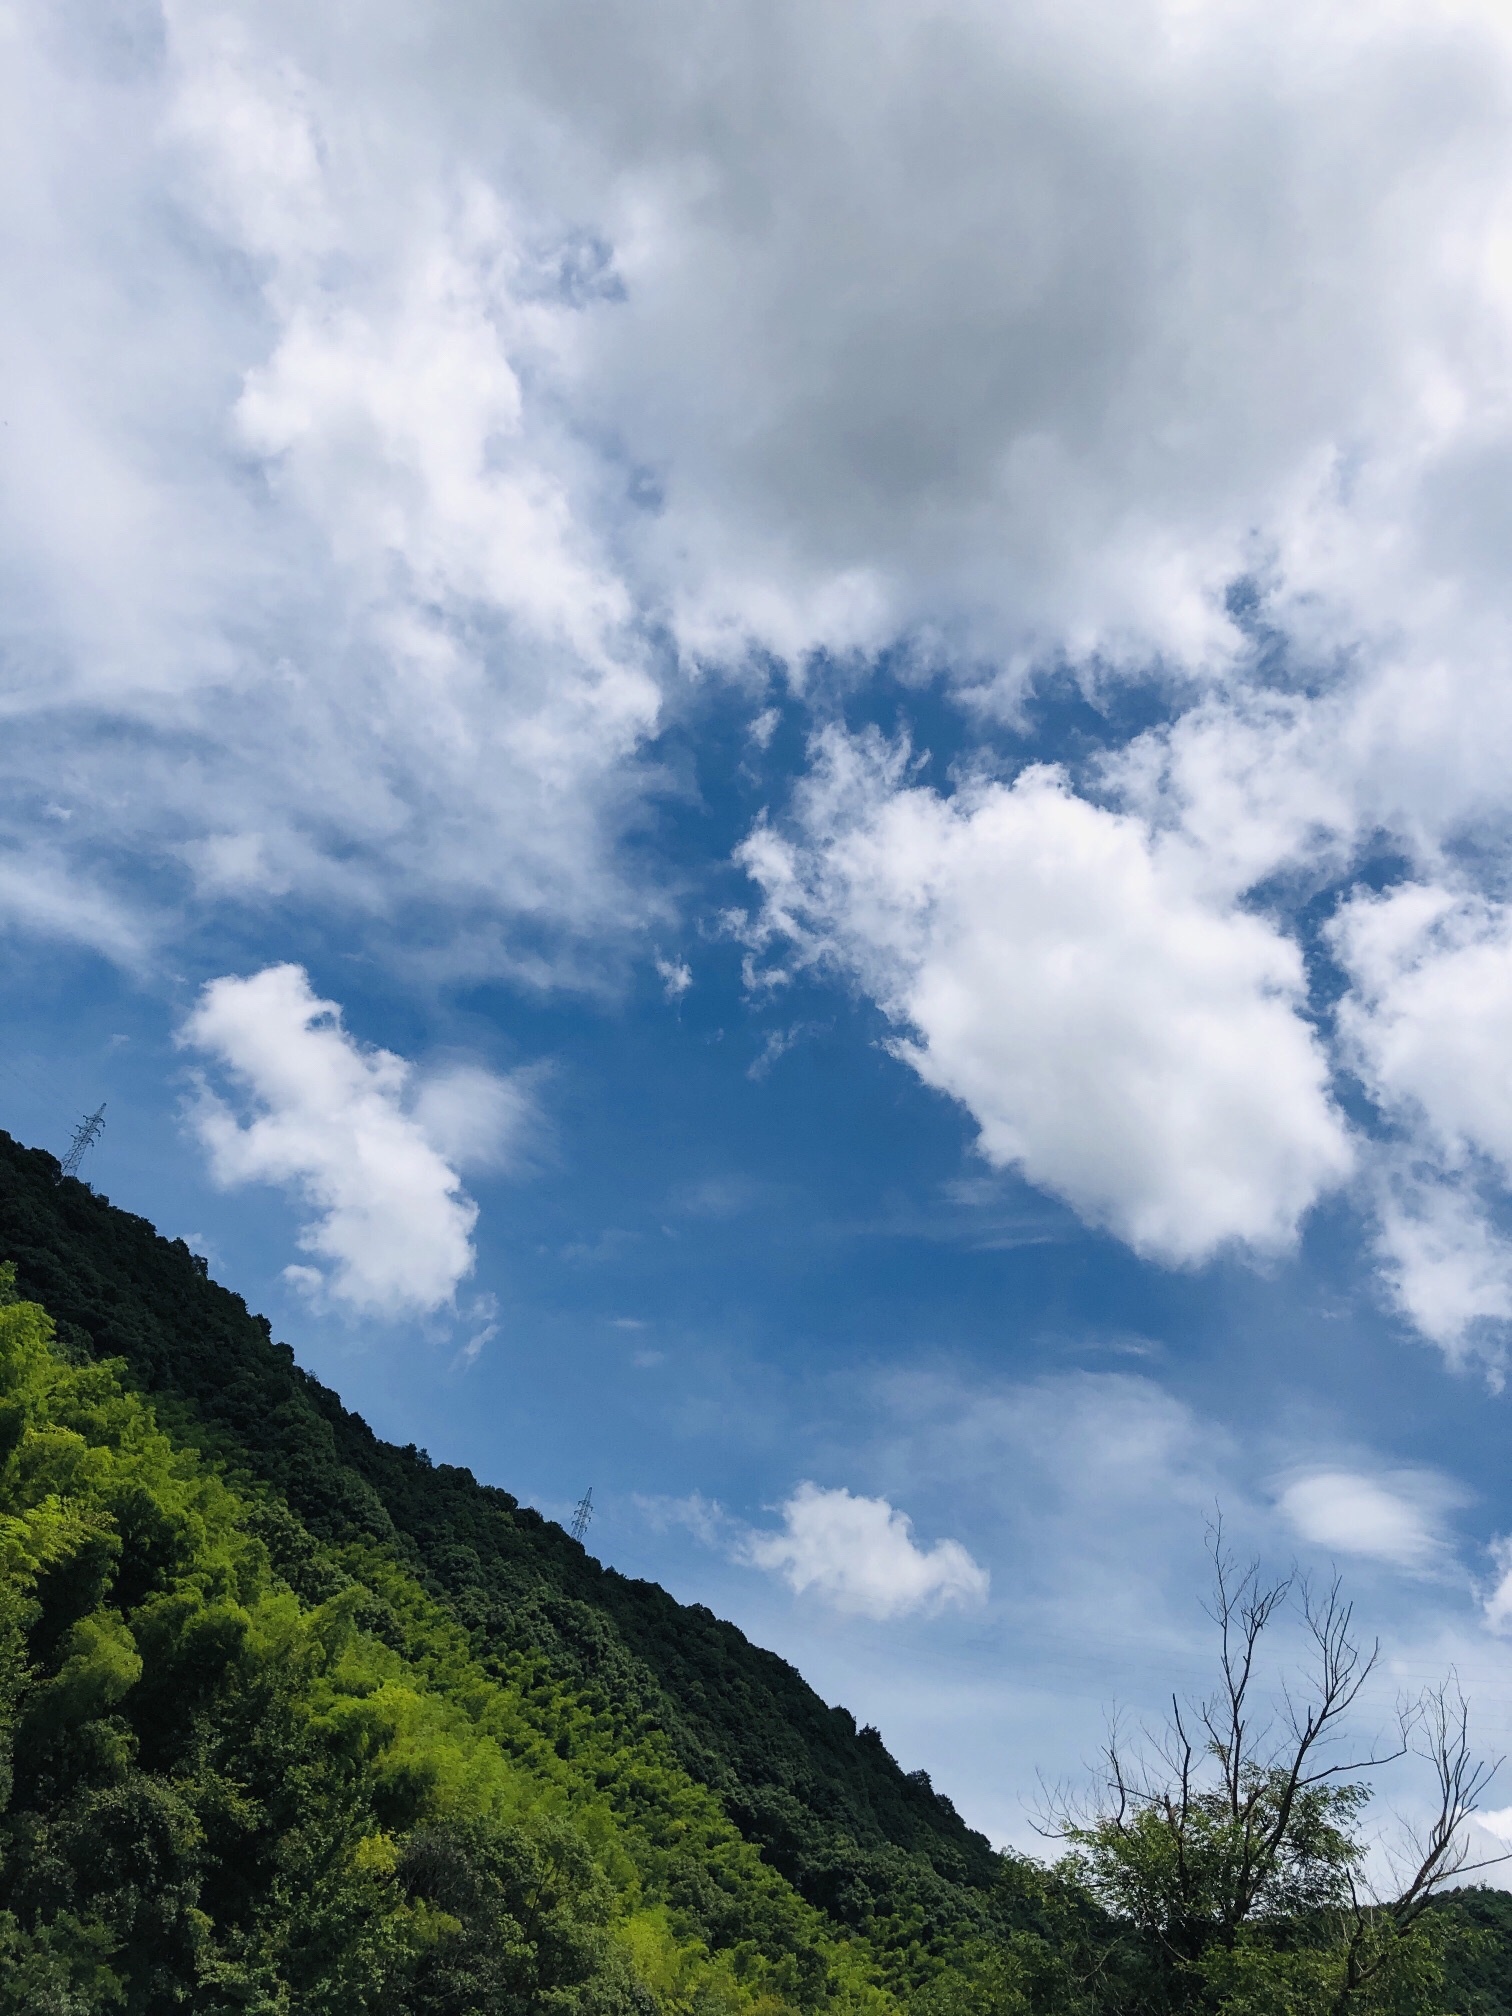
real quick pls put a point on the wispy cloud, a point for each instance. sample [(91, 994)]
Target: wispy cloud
[(1497, 1603), (484, 1312), (676, 976), (1396, 1516), (722, 1196), (705, 1518), (478, 1119)]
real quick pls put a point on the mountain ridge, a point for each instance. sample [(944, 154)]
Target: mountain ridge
[(826, 1803), (484, 1717)]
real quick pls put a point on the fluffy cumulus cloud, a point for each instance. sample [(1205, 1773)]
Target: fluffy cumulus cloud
[(1127, 1041), (859, 1555), (391, 368), (407, 398), (1427, 1025), (300, 606), (368, 1147), (1045, 325), (1429, 1020)]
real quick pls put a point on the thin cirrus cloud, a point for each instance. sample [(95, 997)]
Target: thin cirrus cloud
[(372, 1151), (1395, 1517)]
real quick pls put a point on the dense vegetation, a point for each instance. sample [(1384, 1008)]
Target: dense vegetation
[(229, 1792), (293, 1720)]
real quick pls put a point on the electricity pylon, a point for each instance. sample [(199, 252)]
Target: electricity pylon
[(85, 1136)]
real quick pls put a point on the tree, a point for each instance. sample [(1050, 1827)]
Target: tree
[(1227, 1842)]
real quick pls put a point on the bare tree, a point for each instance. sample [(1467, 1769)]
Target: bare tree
[(1229, 1837), (1427, 1860)]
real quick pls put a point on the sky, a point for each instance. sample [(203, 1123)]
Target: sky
[(763, 755)]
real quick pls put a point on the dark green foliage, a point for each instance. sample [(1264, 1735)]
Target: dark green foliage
[(222, 1795), (1228, 1843), (298, 1723), (827, 1805), (1479, 1961)]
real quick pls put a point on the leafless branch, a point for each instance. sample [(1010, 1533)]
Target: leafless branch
[(1443, 1851), (1252, 1813)]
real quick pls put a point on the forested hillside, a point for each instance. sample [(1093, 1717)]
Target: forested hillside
[(299, 1721)]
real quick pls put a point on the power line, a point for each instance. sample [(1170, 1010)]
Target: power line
[(582, 1513), (85, 1136)]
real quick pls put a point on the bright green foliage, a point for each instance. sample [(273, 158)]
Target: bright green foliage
[(1247, 1905), (295, 1721), (224, 1797), (1190, 1872), (875, 1850)]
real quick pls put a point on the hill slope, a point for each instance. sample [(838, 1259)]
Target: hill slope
[(219, 1792), (828, 1808), (293, 1720)]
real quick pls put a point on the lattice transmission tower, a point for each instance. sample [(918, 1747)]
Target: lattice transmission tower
[(582, 1513), (85, 1135)]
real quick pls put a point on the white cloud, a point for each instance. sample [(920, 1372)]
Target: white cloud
[(386, 370), (396, 388), (705, 1518), (1128, 1042), (859, 1555), (484, 1311), (474, 1117), (1427, 1026), (345, 1128), (1429, 1021), (1250, 782), (1497, 1603), (676, 976), (1045, 325), (1396, 1517), (299, 603), (1444, 1261), (40, 894)]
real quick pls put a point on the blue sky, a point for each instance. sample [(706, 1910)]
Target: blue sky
[(765, 761)]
